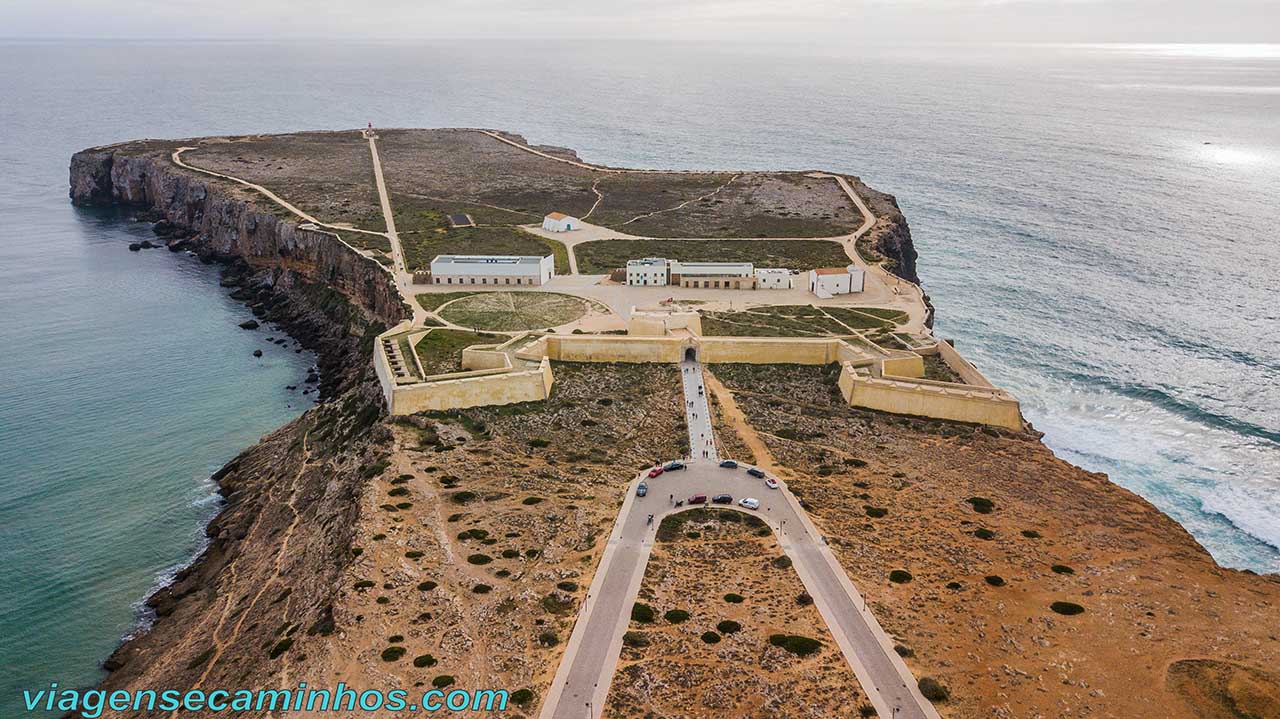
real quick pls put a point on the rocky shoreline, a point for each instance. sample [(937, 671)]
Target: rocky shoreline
[(330, 300)]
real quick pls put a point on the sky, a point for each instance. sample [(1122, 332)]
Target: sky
[(826, 21)]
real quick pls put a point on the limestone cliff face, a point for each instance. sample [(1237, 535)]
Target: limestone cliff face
[(889, 237), (227, 223)]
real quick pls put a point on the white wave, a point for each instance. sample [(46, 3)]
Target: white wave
[(1253, 509)]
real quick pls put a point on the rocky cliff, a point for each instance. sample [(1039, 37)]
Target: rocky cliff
[(890, 237), (283, 539), (222, 221)]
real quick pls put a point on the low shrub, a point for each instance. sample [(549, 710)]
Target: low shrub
[(395, 638), (635, 639), (522, 697), (413, 554), (442, 681), (391, 654), (796, 644), (424, 660), (404, 505), (981, 505), (933, 690), (728, 626), (642, 613), (462, 497), (1067, 608), (783, 562), (1030, 534), (676, 616), (734, 598), (281, 647), (539, 442), (994, 580), (379, 537), (1062, 569), (479, 559), (710, 637), (548, 639), (953, 585), (530, 501), (398, 492), (426, 586), (481, 589), (363, 584), (984, 533), (567, 586), (900, 576), (906, 652), (803, 599), (874, 512), (510, 553)]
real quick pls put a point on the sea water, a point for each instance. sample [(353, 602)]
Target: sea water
[(1096, 224)]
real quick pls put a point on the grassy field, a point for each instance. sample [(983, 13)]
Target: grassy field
[(441, 350), (515, 311), (432, 300), (423, 246), (796, 321), (601, 256)]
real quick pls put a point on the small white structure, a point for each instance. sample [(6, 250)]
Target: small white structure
[(773, 278), (560, 222), (528, 270), (649, 272), (827, 282)]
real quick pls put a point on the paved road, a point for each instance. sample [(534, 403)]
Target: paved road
[(582, 680), (404, 278), (702, 443)]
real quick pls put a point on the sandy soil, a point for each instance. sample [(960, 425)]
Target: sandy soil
[(1152, 597)]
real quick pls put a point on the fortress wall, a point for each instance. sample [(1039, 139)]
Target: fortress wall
[(911, 365), (496, 389), (613, 348), (962, 366), (767, 350), (937, 400), (482, 357)]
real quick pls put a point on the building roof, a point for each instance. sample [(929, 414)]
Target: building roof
[(831, 271), (488, 259), (460, 220), (557, 216), (648, 262)]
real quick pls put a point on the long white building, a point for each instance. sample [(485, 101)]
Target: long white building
[(528, 270), (826, 282)]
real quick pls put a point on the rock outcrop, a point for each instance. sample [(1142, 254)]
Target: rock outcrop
[(226, 222), (889, 237)]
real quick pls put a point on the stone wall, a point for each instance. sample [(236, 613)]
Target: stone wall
[(923, 398)]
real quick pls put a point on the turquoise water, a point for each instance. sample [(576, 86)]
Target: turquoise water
[(1083, 243)]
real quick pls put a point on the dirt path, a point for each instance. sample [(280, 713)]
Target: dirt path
[(738, 422), (684, 204)]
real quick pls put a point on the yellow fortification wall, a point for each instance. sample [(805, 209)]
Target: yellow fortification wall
[(871, 377)]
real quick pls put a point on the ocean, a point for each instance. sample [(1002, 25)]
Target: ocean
[(1096, 225)]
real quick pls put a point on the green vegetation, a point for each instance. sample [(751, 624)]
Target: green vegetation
[(776, 321), (733, 598), (984, 533), (431, 300), (481, 589), (1067, 609), (442, 681), (281, 647), (1062, 569), (676, 616), (440, 351), (635, 639), (981, 505), (874, 512), (728, 626), (515, 311), (391, 654), (424, 660), (710, 637), (994, 580), (601, 256), (479, 559), (900, 576), (522, 697), (1031, 534), (423, 242), (933, 690), (783, 562), (642, 613), (868, 318), (803, 599), (798, 645)]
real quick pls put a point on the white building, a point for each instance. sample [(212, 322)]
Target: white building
[(649, 272), (826, 282), (492, 270), (773, 278), (560, 222)]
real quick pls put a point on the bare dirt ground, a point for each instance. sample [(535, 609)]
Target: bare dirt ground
[(327, 174), (479, 539), (722, 569), (962, 509)]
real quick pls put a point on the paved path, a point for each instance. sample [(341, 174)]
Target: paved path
[(702, 443), (404, 278), (581, 683)]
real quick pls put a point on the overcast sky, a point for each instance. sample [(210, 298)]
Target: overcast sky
[(882, 21)]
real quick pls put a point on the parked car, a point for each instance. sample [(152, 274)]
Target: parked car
[(749, 503), (673, 466), (722, 499), (655, 472), (729, 464), (698, 499), (756, 472), (770, 482), (642, 489)]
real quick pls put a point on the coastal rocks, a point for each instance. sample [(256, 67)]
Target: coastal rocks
[(249, 325)]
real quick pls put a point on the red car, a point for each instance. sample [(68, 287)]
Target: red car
[(655, 472), (698, 499)]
